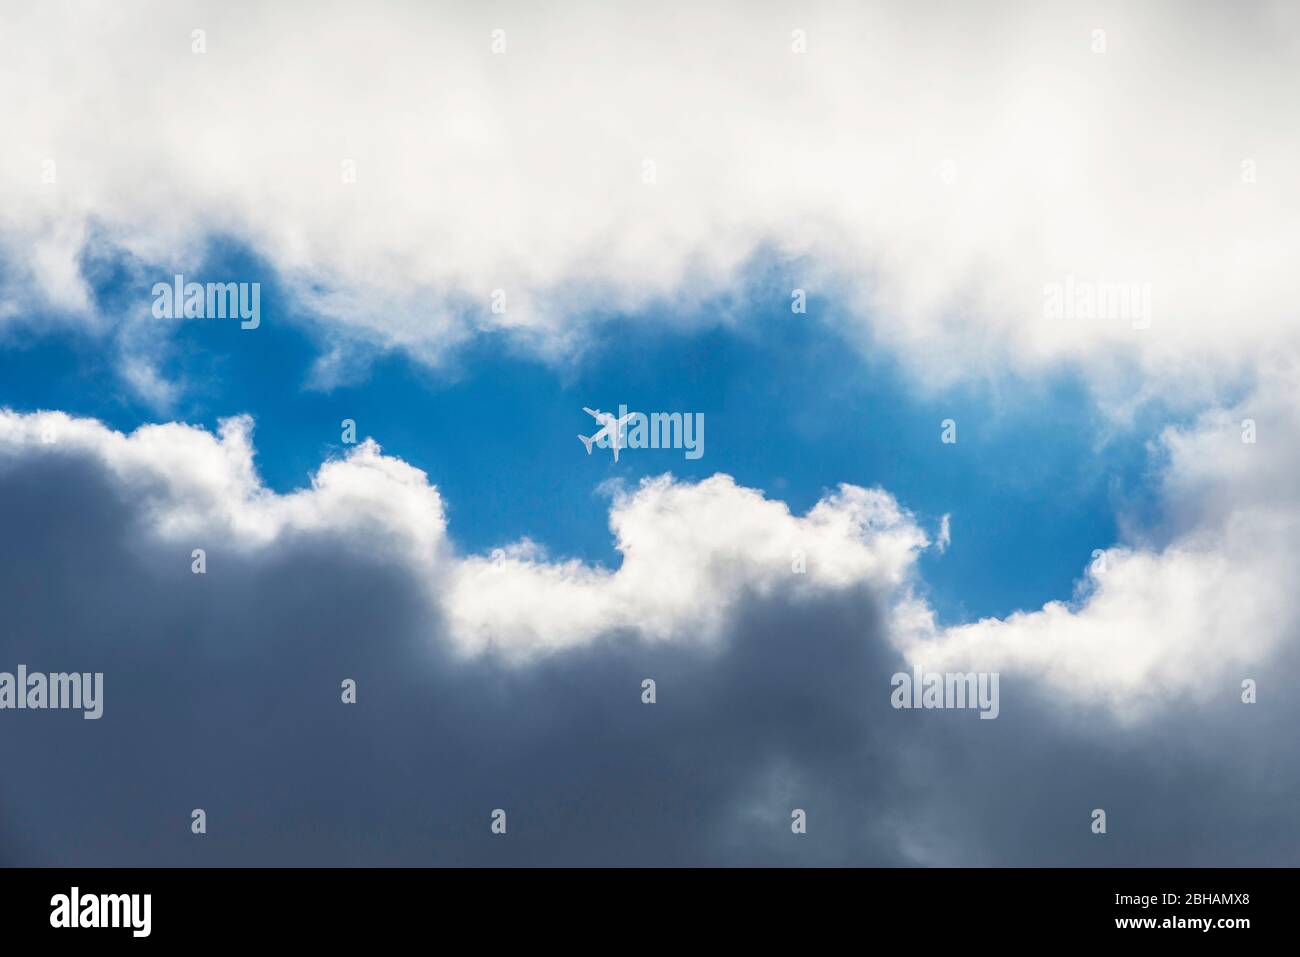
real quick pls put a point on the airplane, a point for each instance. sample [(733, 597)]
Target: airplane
[(610, 428)]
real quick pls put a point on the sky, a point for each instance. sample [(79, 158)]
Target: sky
[(465, 226)]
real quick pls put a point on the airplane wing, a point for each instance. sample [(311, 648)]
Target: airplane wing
[(594, 413)]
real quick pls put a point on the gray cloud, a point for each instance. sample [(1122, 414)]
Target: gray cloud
[(222, 692)]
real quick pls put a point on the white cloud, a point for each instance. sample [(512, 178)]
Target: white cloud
[(1190, 615), (691, 552), (523, 171), (1204, 600), (145, 380), (193, 486)]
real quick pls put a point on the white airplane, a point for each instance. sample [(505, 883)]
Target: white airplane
[(610, 428)]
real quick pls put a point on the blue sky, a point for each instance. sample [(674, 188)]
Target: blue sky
[(790, 408)]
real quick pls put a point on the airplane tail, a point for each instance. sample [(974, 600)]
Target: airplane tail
[(587, 442)]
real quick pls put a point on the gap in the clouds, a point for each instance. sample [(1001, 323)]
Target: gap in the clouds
[(789, 408)]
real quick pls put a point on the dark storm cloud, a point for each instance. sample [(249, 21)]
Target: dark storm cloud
[(222, 692)]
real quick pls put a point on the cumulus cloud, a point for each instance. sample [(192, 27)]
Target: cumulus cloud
[(193, 484), (222, 689), (1190, 606), (691, 551), (690, 555), (1200, 601), (931, 168), (225, 685)]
